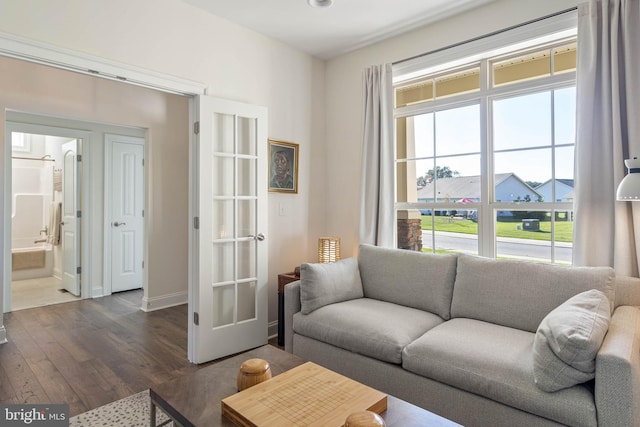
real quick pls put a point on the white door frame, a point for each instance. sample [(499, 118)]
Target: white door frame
[(109, 139), (85, 183), (42, 53)]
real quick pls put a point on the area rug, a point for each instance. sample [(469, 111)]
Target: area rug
[(132, 411)]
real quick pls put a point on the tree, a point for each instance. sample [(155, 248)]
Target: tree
[(441, 172)]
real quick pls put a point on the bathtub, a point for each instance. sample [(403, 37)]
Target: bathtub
[(32, 262)]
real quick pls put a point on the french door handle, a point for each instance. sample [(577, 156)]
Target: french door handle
[(118, 224), (260, 237)]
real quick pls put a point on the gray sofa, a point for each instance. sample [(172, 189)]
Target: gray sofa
[(479, 341)]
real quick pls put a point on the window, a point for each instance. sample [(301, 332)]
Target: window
[(20, 142), (484, 153)]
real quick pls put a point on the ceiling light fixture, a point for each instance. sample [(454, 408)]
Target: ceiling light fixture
[(629, 188), (320, 3)]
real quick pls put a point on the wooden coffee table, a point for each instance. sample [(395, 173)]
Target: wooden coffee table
[(195, 399)]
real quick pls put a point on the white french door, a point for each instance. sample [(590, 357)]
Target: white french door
[(228, 293)]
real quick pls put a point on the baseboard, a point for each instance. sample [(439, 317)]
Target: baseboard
[(272, 330), (3, 335), (164, 301)]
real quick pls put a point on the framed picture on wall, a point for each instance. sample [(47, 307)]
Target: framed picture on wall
[(283, 167)]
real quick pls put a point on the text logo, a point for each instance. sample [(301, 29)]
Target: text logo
[(34, 415)]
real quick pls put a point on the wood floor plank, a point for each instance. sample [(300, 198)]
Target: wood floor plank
[(25, 384), (49, 377), (90, 352)]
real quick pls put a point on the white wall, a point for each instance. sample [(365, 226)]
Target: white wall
[(173, 37), (344, 97)]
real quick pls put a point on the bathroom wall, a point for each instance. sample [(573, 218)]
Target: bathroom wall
[(32, 193)]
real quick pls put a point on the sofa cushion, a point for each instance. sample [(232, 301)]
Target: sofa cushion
[(568, 339), (322, 284), (519, 294), (366, 326), (495, 362), (412, 279)]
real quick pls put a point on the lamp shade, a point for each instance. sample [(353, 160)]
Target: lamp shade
[(328, 249), (629, 188)]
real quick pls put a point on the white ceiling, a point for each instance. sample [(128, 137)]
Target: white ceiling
[(341, 28)]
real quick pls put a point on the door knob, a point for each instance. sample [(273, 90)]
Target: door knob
[(118, 224), (260, 237)]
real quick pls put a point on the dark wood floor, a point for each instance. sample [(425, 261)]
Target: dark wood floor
[(91, 352)]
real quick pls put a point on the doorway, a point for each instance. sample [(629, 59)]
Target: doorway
[(57, 207), (44, 194)]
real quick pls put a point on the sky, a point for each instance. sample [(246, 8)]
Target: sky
[(522, 122)]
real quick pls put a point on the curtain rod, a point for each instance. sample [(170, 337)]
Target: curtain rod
[(33, 158), (485, 36)]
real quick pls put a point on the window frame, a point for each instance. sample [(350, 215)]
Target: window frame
[(487, 208)]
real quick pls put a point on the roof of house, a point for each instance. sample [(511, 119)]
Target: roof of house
[(567, 182), (462, 187)]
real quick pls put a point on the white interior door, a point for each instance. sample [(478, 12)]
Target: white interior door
[(228, 293), (70, 236), (127, 211)]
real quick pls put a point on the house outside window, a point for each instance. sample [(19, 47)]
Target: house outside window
[(485, 152)]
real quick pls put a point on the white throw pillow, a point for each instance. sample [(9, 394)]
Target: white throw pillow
[(568, 339), (322, 284)]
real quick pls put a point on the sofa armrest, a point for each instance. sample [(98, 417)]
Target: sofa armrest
[(617, 385), (291, 307)]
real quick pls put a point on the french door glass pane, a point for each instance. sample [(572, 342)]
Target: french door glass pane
[(223, 133), (223, 304), (246, 259), (222, 169), (222, 262), (246, 301), (246, 177), (246, 218), (222, 221), (247, 136)]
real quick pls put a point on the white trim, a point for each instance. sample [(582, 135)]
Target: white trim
[(164, 301), (272, 328), (552, 28), (42, 53), (3, 335)]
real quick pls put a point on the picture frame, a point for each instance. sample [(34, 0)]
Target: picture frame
[(283, 166)]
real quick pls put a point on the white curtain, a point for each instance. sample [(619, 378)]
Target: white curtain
[(607, 232), (377, 181)]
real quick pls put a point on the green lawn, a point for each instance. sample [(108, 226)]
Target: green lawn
[(564, 229)]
